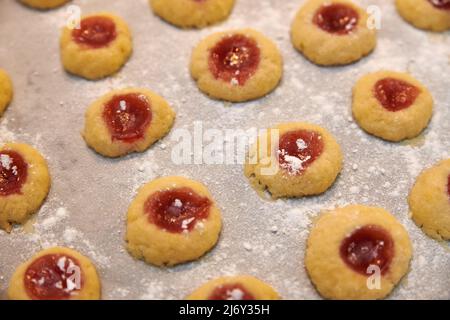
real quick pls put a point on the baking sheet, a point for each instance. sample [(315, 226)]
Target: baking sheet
[(87, 205)]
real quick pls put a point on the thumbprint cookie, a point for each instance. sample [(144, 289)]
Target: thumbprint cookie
[(357, 252), (235, 288), (433, 15), (294, 160), (237, 65), (391, 105), (24, 183), (429, 201), (192, 13), (97, 48), (125, 121), (55, 274), (332, 32), (44, 4), (6, 91), (172, 220)]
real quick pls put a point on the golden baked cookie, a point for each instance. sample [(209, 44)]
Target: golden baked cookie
[(431, 15), (357, 252), (294, 160), (172, 220), (192, 13), (44, 4), (236, 65), (429, 201), (24, 183), (391, 105), (6, 91), (234, 288), (55, 274), (99, 48), (332, 32), (127, 120)]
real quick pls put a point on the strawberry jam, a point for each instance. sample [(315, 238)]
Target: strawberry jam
[(299, 149), (369, 245), (127, 116), (53, 277), (336, 18), (13, 173), (440, 4), (95, 32), (231, 292), (448, 186), (394, 94), (177, 210), (234, 59)]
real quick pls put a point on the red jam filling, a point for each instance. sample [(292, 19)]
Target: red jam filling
[(448, 186), (95, 32), (53, 277), (298, 149), (440, 4), (234, 59), (231, 292), (177, 210), (367, 246), (395, 95), (14, 172), (336, 18), (127, 116)]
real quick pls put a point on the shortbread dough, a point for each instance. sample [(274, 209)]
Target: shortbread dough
[(332, 32), (236, 65), (307, 161), (44, 4), (6, 91), (235, 288), (192, 13), (433, 15), (55, 274), (98, 49), (128, 120), (350, 248), (429, 201), (172, 220), (392, 105), (24, 183)]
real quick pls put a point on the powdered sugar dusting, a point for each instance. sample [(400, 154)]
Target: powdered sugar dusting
[(5, 161)]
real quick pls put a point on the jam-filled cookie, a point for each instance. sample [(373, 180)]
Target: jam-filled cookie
[(172, 220), (357, 252), (234, 288), (6, 91), (99, 48), (236, 65), (44, 4), (128, 120), (391, 105), (431, 15), (24, 183), (294, 160), (429, 201), (332, 32), (192, 13), (55, 274)]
